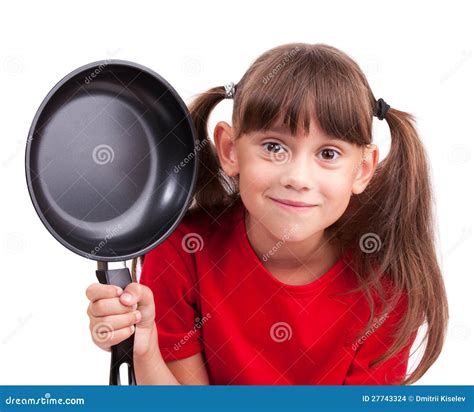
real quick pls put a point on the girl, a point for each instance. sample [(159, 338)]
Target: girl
[(302, 260)]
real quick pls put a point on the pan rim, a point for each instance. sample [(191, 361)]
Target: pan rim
[(39, 111)]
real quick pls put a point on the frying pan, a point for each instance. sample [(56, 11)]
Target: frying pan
[(111, 167)]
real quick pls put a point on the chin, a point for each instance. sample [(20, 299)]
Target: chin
[(291, 232)]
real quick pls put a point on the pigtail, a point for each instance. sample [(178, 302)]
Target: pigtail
[(395, 214), (213, 190)]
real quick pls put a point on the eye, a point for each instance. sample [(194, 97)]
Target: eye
[(274, 147), (330, 154)]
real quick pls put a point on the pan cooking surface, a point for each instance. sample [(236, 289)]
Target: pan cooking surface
[(105, 161)]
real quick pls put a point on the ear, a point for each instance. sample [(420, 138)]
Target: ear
[(366, 168), (225, 147)]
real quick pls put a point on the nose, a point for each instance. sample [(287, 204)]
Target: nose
[(296, 173)]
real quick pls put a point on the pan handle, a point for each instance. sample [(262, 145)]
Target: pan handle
[(122, 352)]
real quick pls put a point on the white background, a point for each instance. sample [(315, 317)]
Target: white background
[(418, 57)]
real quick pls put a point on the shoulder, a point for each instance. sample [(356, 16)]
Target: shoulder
[(199, 227), (388, 297), (194, 241)]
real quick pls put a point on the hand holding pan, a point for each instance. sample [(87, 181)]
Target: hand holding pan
[(101, 168)]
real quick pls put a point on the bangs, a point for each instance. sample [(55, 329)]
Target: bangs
[(292, 85)]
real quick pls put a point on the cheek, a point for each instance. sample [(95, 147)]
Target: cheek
[(337, 194), (255, 177)]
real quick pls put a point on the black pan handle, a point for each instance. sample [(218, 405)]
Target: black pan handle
[(123, 352)]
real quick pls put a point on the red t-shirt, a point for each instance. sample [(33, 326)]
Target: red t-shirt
[(213, 295)]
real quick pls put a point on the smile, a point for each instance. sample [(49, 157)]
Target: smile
[(293, 207)]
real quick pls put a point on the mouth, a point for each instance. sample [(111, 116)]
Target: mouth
[(292, 205)]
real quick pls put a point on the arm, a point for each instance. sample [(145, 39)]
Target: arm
[(151, 369), (190, 371), (170, 272)]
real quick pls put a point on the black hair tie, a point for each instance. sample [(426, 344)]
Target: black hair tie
[(381, 109)]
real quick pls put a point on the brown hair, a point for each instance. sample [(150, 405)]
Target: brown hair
[(296, 82)]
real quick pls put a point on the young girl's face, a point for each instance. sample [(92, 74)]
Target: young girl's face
[(315, 169)]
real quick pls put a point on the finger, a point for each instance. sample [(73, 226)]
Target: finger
[(136, 293), (115, 322), (104, 337), (143, 296), (98, 291), (107, 307)]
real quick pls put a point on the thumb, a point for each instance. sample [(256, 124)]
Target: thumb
[(136, 293)]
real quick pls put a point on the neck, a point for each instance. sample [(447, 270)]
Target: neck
[(289, 256)]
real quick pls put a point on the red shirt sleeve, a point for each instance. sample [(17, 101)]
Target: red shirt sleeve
[(168, 270), (373, 345)]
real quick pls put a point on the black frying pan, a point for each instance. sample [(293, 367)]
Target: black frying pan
[(111, 167)]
